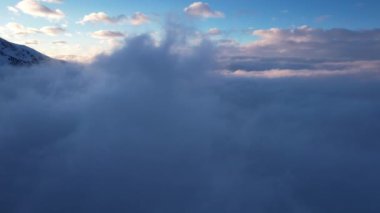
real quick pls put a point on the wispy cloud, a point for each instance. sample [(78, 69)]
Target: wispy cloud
[(214, 31), (203, 10), (32, 42), (137, 18), (59, 42), (52, 30), (18, 29), (107, 34), (322, 18)]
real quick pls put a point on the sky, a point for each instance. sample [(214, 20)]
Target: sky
[(63, 33), (190, 107)]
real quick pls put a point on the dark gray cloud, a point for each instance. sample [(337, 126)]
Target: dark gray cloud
[(149, 129)]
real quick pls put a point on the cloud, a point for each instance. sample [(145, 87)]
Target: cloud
[(35, 8), (52, 30), (151, 129), (107, 34), (101, 17), (288, 69), (137, 18), (74, 58), (12, 9), (214, 32), (203, 10), (59, 42), (303, 51), (306, 42), (21, 30), (53, 1), (322, 18), (32, 42)]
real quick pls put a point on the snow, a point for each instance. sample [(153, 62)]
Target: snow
[(14, 54)]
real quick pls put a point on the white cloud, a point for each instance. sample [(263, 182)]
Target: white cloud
[(107, 34), (35, 8), (201, 9), (102, 17)]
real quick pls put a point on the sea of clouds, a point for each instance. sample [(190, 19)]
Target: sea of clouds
[(163, 128)]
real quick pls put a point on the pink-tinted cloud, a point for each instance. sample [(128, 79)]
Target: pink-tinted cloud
[(203, 10), (35, 8)]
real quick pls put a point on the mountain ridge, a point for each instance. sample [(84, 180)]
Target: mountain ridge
[(19, 55)]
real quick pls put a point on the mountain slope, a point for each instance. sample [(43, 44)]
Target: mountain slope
[(19, 55)]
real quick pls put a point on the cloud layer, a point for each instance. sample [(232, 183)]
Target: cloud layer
[(152, 129)]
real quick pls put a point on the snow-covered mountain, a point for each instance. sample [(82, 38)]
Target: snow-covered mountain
[(19, 55)]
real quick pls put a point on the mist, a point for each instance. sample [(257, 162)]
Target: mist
[(156, 128)]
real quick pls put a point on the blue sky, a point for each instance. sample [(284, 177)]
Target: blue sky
[(240, 17)]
